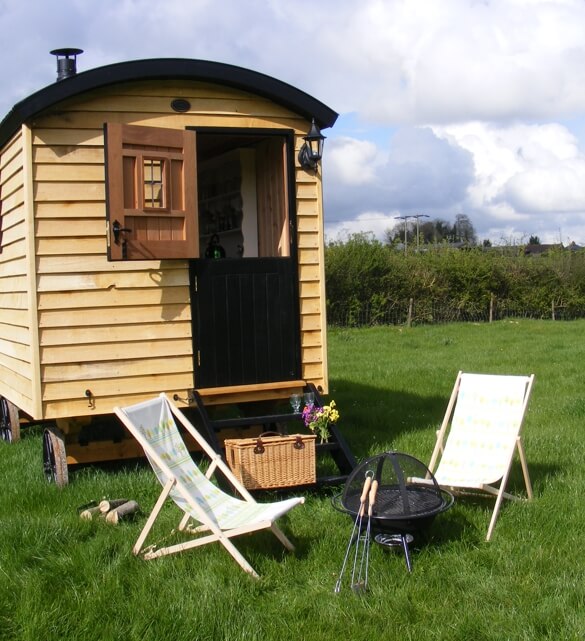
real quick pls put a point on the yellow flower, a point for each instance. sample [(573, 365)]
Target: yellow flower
[(319, 419)]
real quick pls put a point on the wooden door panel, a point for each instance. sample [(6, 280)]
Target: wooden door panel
[(246, 321)]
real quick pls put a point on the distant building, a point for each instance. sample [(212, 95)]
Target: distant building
[(539, 248)]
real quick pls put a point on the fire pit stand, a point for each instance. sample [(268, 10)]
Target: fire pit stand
[(393, 541), (408, 499)]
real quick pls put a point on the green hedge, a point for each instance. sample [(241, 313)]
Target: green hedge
[(364, 274)]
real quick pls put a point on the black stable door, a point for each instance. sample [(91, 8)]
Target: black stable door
[(245, 321)]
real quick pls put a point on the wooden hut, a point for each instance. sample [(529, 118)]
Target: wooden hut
[(118, 185)]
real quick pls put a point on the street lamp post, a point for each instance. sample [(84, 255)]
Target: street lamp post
[(418, 216), (404, 218)]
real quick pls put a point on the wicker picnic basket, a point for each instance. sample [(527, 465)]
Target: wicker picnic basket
[(269, 462)]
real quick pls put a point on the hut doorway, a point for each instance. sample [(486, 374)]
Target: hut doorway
[(244, 288)]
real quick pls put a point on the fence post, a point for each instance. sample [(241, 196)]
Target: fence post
[(410, 308), (552, 307), (492, 297)]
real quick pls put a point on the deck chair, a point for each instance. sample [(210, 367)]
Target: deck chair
[(209, 513), (482, 431)]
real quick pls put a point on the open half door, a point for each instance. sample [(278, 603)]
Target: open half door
[(244, 287)]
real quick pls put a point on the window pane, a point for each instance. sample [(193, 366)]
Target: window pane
[(154, 197)]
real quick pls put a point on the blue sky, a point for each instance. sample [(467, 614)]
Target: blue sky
[(446, 106)]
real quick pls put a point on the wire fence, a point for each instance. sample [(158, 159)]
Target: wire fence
[(423, 312)]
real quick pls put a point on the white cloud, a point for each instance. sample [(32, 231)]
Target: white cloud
[(522, 169), (512, 181), (395, 61), (353, 162), (454, 60), (418, 170), (555, 189), (493, 78), (374, 223)]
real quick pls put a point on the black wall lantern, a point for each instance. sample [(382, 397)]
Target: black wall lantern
[(312, 150)]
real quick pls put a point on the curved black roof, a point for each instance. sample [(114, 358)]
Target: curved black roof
[(167, 68)]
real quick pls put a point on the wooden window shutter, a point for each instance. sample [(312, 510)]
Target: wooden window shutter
[(151, 197)]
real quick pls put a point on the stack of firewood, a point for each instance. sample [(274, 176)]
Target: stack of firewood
[(112, 510)]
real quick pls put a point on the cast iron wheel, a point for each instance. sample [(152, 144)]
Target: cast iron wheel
[(9, 421), (54, 457)]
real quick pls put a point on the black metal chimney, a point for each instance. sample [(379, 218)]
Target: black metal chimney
[(66, 62)]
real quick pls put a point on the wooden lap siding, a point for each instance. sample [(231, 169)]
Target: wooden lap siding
[(311, 279), (16, 367), (122, 329)]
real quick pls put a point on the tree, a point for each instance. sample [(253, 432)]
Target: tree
[(435, 231), (430, 232), (396, 234), (534, 240), (463, 230)]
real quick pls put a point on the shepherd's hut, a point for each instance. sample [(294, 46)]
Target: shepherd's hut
[(161, 230)]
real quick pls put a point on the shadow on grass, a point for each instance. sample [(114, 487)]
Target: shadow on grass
[(114, 467), (370, 414), (31, 430), (392, 414), (372, 419)]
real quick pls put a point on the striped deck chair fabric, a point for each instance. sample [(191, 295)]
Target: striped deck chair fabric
[(153, 424), (482, 431)]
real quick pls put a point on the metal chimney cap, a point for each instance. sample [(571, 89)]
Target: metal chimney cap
[(66, 65), (66, 51)]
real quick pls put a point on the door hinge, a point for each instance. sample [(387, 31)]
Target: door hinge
[(195, 284), (198, 358)]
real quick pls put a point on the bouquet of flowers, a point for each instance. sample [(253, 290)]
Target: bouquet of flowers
[(318, 419)]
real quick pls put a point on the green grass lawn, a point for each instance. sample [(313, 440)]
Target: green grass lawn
[(64, 578)]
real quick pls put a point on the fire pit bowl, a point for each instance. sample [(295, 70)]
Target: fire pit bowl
[(408, 498)]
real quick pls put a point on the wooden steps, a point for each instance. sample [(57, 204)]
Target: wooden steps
[(213, 429)]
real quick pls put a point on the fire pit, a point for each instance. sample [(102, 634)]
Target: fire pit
[(407, 502)]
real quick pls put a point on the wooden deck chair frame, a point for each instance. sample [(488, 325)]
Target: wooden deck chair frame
[(215, 533), (493, 489)]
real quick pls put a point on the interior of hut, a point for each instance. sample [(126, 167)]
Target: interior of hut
[(243, 195)]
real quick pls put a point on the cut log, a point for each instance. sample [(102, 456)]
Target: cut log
[(90, 513), (122, 512), (108, 505)]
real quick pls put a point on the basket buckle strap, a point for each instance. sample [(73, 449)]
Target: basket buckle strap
[(259, 449)]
